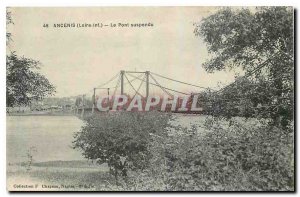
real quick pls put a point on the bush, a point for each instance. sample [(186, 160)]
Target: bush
[(235, 155), (233, 158), (120, 139)]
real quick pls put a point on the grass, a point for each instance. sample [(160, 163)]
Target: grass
[(60, 175)]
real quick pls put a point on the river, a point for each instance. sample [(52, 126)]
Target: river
[(52, 136)]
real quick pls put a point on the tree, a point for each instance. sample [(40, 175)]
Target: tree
[(23, 83), (8, 21), (78, 101), (260, 42)]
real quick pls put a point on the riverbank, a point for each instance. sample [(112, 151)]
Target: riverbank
[(78, 175)]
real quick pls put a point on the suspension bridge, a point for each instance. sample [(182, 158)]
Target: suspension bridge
[(147, 80)]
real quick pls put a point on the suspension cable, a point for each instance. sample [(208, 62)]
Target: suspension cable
[(132, 86), (162, 86), (163, 89), (178, 81), (116, 87), (113, 78), (135, 78), (140, 87)]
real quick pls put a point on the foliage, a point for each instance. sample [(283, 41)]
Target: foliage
[(246, 98), (246, 38), (230, 157), (23, 82), (78, 101), (235, 155), (120, 139), (261, 42), (87, 102), (8, 21)]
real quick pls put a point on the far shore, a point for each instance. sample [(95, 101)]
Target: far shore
[(40, 114)]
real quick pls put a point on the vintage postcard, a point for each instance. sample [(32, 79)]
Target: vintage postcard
[(150, 99)]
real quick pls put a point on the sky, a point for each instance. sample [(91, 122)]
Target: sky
[(75, 60)]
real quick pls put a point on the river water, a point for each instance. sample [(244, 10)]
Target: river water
[(52, 136)]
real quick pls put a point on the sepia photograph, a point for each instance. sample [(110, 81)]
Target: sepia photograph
[(149, 98)]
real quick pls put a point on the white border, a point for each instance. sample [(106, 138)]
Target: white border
[(86, 3)]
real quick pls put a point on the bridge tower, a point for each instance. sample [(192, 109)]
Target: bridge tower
[(122, 81), (147, 83)]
